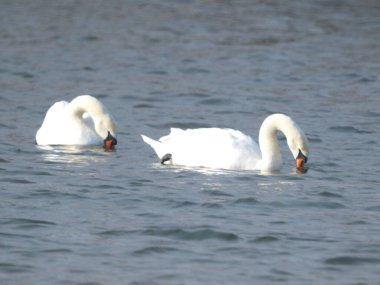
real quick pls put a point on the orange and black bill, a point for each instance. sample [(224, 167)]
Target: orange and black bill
[(109, 142), (301, 160)]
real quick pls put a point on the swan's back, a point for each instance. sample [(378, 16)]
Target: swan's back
[(209, 147), (60, 127), (50, 131)]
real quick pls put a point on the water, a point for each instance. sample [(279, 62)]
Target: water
[(83, 216)]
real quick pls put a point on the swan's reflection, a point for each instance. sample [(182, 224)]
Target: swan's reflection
[(76, 155), (217, 171), (278, 185)]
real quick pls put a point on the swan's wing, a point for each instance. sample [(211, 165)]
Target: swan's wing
[(50, 131), (210, 147), (60, 128), (55, 112), (174, 133)]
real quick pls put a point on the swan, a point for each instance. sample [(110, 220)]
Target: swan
[(83, 121), (231, 149)]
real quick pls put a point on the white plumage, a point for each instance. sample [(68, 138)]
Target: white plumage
[(231, 149), (83, 121)]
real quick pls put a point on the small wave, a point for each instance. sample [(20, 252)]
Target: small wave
[(194, 95), (17, 181), (108, 186), (15, 236), (202, 234), (42, 173), (57, 250), (7, 267), (329, 194), (182, 204), (266, 238), (194, 70), (247, 201), (28, 222), (323, 204), (9, 127), (46, 193), (349, 129), (357, 222), (90, 68), (212, 205), (351, 260), (144, 106), (114, 233), (24, 74), (91, 38), (216, 101), (140, 182), (213, 192), (367, 79), (154, 249), (373, 208), (158, 72)]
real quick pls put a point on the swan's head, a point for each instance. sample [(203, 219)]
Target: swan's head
[(110, 142), (106, 128), (299, 147)]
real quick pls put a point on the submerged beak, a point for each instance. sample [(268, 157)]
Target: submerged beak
[(301, 159), (109, 142)]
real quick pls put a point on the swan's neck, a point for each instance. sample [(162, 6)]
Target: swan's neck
[(270, 151), (96, 110)]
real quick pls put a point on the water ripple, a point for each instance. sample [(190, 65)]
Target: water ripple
[(216, 101), (322, 204), (247, 201), (349, 129), (373, 208), (329, 194), (27, 222), (7, 267), (114, 233), (201, 234), (17, 181), (264, 239), (155, 249), (351, 260)]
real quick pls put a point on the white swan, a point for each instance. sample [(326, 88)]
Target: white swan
[(231, 149), (83, 121)]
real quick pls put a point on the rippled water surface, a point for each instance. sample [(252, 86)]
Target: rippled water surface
[(72, 215)]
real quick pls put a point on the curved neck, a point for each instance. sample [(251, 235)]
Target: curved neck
[(88, 104), (270, 151)]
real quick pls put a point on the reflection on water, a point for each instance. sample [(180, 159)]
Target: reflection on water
[(76, 155), (202, 170), (276, 185)]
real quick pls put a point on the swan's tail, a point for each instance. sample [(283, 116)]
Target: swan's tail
[(156, 145)]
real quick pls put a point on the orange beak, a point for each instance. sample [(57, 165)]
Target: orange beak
[(299, 163), (301, 159), (109, 142)]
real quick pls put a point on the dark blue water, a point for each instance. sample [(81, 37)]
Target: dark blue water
[(83, 216)]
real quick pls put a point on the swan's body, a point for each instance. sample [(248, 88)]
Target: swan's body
[(83, 121), (231, 149)]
